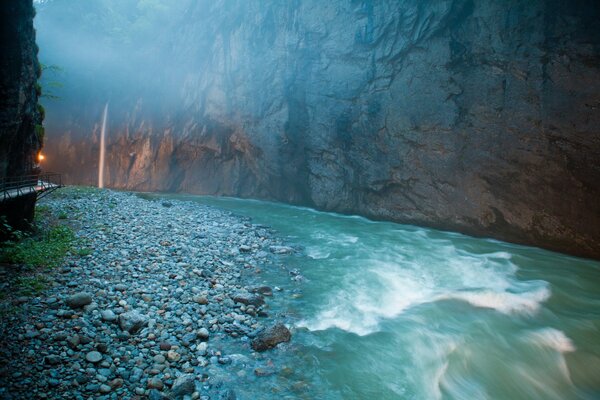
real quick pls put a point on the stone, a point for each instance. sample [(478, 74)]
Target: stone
[(54, 382), (102, 347), (174, 356), (248, 299), (229, 395), (105, 389), (183, 385), (200, 300), (261, 372), (224, 360), (155, 383), (52, 360), (203, 334), (73, 341), (281, 249), (116, 383), (132, 321), (188, 339), (159, 359), (108, 316), (154, 394), (165, 346), (271, 337), (263, 290), (79, 300), (94, 357), (201, 348)]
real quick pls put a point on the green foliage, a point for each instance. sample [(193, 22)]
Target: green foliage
[(7, 231), (38, 89), (31, 285), (84, 251), (41, 213), (42, 111), (40, 133), (52, 70), (44, 250)]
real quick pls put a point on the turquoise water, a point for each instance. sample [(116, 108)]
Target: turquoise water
[(390, 311)]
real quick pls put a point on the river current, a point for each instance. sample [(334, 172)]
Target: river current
[(389, 311)]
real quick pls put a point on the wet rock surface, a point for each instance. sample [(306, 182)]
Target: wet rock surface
[(271, 337), (157, 310)]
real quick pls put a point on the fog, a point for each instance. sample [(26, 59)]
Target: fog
[(457, 114), (109, 49)]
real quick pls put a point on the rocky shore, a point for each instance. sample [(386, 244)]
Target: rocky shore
[(166, 303)]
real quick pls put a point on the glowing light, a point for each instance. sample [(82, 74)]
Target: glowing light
[(41, 157)]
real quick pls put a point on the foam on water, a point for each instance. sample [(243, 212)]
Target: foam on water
[(397, 311), (316, 253), (388, 282), (504, 302), (553, 339)]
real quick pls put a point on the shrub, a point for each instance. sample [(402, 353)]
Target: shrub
[(45, 250)]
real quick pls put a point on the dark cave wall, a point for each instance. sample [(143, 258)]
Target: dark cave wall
[(21, 131), (475, 116)]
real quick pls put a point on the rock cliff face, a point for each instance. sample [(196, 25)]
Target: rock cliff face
[(475, 116), (21, 132), (19, 112)]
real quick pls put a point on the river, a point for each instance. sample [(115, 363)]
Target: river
[(389, 311)]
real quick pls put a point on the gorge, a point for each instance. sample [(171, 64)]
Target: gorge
[(299, 199), (478, 117)]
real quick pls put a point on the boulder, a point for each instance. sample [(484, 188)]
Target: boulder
[(79, 300), (184, 385), (271, 337), (248, 299), (263, 290), (132, 321)]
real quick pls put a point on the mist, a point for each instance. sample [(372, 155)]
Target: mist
[(415, 111), (109, 49), (300, 199)]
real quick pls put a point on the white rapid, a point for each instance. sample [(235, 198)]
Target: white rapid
[(102, 148), (389, 311)]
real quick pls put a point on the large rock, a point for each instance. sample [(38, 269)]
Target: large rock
[(271, 337), (132, 321), (248, 299), (441, 113), (79, 300), (183, 385)]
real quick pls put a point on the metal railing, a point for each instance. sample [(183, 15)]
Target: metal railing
[(42, 184)]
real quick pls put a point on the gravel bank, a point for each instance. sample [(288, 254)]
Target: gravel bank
[(168, 290)]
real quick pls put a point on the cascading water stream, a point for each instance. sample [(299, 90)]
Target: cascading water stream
[(102, 148)]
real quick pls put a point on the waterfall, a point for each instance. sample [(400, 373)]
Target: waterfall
[(102, 148)]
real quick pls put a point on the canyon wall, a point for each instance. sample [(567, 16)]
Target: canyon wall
[(475, 116), (20, 116), (21, 130)]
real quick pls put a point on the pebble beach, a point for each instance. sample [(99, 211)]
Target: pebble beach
[(166, 303)]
